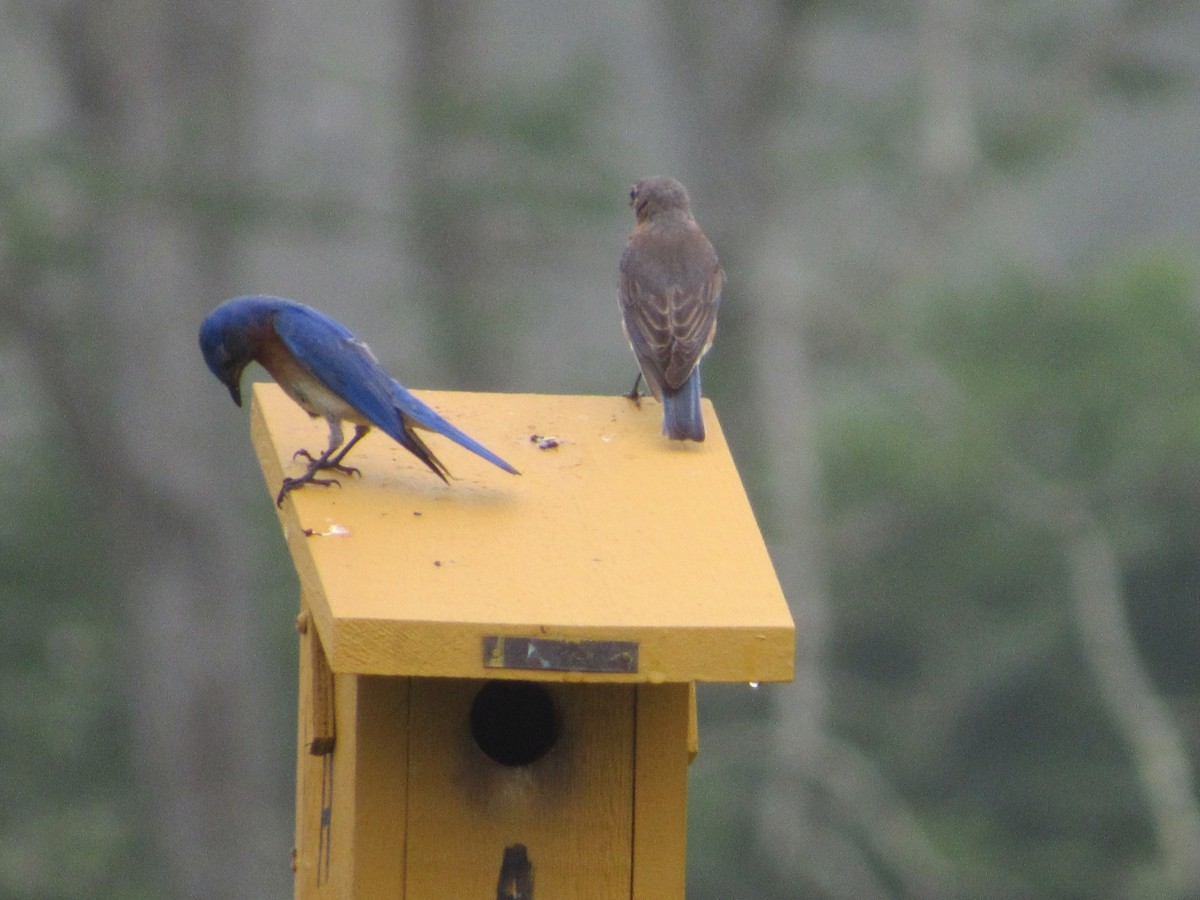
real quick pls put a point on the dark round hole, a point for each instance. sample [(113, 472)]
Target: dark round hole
[(514, 722)]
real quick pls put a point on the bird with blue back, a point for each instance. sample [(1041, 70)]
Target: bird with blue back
[(670, 288), (330, 373)]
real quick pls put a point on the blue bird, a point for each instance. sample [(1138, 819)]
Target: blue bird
[(670, 289), (330, 373)]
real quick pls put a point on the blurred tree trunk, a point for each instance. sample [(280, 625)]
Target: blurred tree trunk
[(731, 74), (1153, 739), (160, 90), (951, 166), (949, 137), (1158, 749), (446, 168), (827, 818)]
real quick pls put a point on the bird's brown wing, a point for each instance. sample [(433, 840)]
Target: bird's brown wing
[(670, 288)]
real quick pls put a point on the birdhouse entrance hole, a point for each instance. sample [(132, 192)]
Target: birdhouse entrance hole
[(515, 723)]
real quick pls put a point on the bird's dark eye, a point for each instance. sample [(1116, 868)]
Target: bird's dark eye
[(632, 194)]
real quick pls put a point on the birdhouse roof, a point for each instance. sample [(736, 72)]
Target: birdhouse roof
[(616, 555)]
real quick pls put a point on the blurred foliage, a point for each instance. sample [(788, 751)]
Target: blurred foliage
[(541, 135), (518, 149), (954, 652), (68, 806), (954, 663), (506, 163)]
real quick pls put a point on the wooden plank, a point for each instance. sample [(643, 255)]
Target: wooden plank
[(379, 782), (350, 803), (571, 809), (316, 730), (660, 792), (308, 780), (616, 534)]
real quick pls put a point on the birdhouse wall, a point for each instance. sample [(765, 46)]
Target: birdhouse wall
[(408, 805)]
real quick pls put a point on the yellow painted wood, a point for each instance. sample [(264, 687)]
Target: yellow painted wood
[(322, 724), (380, 785), (351, 813), (615, 534), (308, 778), (660, 792), (572, 809), (315, 875)]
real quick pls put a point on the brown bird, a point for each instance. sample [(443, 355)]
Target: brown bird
[(670, 288)]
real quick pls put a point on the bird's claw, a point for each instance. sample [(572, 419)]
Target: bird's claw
[(315, 461), (290, 484)]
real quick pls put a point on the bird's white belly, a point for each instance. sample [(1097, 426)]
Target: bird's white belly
[(317, 400)]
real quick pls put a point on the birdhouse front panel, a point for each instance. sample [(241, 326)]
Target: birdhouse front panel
[(478, 785), (425, 788)]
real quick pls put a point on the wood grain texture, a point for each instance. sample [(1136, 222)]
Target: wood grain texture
[(351, 804), (660, 792)]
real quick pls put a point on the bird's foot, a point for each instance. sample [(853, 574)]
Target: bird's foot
[(290, 484), (318, 463), (634, 394)]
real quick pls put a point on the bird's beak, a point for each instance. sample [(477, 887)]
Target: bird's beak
[(235, 391)]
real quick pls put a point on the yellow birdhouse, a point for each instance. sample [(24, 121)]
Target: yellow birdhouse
[(497, 675)]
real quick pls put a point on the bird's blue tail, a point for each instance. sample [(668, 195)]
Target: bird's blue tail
[(682, 420), (424, 416)]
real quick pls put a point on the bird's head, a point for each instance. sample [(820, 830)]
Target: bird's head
[(227, 340), (658, 194)]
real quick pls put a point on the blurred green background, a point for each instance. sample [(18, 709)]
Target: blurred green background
[(958, 364)]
